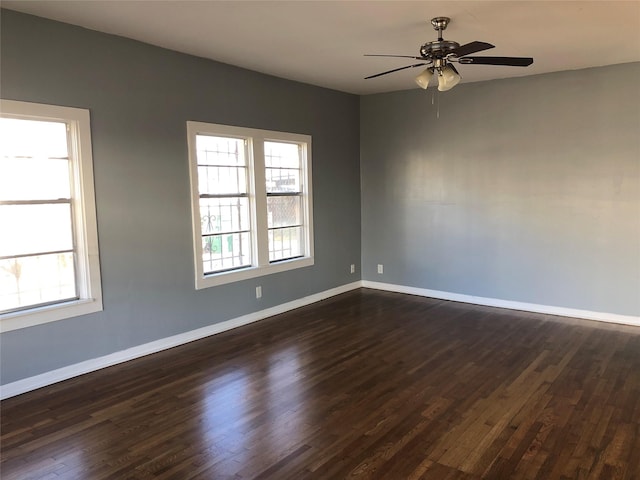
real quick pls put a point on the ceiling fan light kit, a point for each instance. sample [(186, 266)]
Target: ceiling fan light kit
[(439, 56)]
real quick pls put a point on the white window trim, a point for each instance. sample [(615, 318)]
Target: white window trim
[(258, 197), (85, 224)]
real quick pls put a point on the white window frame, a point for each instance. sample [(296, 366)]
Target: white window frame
[(254, 140), (84, 221)]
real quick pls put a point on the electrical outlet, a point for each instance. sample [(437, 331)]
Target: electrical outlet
[(380, 269), (353, 268), (258, 292)]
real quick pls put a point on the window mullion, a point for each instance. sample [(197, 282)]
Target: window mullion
[(260, 196), (35, 254), (53, 201)]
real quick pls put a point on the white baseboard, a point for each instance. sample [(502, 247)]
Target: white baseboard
[(54, 376), (494, 302)]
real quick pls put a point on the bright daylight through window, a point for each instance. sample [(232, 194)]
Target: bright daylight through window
[(251, 202), (48, 248)]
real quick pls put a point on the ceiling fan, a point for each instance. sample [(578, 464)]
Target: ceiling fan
[(440, 54)]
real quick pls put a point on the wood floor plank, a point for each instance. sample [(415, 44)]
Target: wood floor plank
[(364, 385)]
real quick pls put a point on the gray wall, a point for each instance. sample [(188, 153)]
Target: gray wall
[(524, 189), (140, 98)]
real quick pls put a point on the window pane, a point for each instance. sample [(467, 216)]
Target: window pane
[(30, 281), (214, 180), (34, 179), (35, 229), (33, 138), (285, 243), (283, 175), (283, 180), (284, 211), (220, 150), (281, 155), (219, 215), (225, 252)]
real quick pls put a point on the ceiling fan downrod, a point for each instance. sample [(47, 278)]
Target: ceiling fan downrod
[(440, 25)]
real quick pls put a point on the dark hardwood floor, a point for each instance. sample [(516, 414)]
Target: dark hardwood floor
[(367, 384)]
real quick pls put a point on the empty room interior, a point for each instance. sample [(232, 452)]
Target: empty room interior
[(290, 239)]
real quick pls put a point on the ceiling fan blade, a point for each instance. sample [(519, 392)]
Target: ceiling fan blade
[(394, 70), (469, 48), (508, 61), (395, 56)]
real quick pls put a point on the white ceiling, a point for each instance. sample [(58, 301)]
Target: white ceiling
[(323, 42)]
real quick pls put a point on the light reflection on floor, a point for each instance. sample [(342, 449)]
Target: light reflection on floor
[(227, 422)]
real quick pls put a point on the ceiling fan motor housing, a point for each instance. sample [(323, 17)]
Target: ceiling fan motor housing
[(438, 49)]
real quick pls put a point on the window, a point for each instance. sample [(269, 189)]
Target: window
[(251, 202), (49, 267)]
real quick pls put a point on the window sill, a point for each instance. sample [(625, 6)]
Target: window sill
[(251, 272), (49, 313)]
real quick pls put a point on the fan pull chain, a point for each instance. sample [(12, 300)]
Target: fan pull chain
[(437, 104)]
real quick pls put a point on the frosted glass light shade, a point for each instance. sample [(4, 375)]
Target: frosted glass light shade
[(424, 78), (447, 79)]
